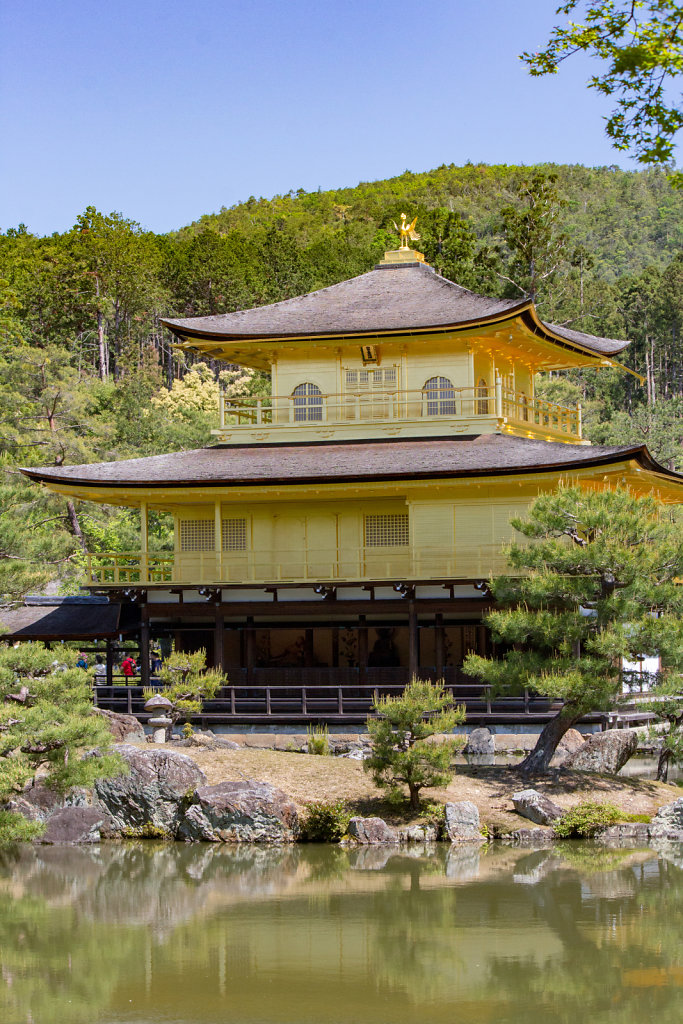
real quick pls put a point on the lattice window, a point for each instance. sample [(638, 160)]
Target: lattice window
[(387, 531), (197, 535), (440, 396), (384, 379), (308, 403), (234, 534)]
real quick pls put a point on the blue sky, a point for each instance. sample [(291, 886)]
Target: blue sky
[(164, 111)]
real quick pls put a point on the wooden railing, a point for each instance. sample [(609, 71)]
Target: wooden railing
[(281, 566), (381, 406)]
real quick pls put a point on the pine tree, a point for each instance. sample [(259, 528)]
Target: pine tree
[(401, 753), (596, 583)]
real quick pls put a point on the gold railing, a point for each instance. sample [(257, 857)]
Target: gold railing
[(381, 406), (324, 566)]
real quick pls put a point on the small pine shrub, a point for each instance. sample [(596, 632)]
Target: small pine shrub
[(188, 730), (584, 820), (434, 816), (318, 741), (14, 828), (326, 821)]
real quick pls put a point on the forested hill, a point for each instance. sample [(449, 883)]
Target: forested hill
[(626, 220), (88, 374)]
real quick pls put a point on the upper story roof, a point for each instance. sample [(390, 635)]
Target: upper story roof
[(398, 298)]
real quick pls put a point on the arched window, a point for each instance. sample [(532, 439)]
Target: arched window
[(440, 396), (481, 393), (308, 403)]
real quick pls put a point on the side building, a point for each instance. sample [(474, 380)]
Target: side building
[(338, 535)]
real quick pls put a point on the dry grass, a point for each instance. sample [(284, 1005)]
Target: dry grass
[(308, 777)]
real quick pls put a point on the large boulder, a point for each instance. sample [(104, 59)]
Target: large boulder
[(536, 807), (151, 799), (568, 745), (39, 802), (124, 728), (480, 743), (533, 837), (462, 823), (605, 752), (368, 831), (76, 825), (626, 833), (668, 821), (240, 812)]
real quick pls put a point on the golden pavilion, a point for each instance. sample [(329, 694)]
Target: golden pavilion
[(337, 536)]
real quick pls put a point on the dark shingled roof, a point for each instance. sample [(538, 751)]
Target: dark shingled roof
[(389, 298), (61, 621), (398, 459)]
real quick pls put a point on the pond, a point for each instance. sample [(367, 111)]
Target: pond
[(148, 933)]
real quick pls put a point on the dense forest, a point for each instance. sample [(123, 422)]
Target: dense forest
[(87, 373)]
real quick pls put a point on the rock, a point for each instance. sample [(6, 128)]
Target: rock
[(368, 831), (627, 832), (151, 799), (76, 825), (240, 812), (462, 823), (668, 821), (568, 745), (536, 807), (480, 742), (462, 863), (124, 728), (39, 803), (207, 741), (605, 752), (417, 834), (533, 837), (534, 867)]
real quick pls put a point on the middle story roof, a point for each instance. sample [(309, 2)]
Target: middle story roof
[(329, 462)]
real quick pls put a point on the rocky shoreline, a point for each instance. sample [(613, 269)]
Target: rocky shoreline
[(166, 795)]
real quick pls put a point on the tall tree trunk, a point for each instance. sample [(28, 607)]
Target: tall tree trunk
[(663, 765), (75, 525), (546, 745), (100, 333)]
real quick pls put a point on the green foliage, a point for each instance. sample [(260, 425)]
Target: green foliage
[(596, 582), (15, 828), (641, 47), (326, 821), (318, 740), (585, 819), (400, 732), (666, 704), (47, 723), (187, 682), (434, 815)]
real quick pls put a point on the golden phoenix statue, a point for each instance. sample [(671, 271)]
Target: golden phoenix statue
[(406, 231)]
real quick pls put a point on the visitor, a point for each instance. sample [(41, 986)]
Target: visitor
[(128, 666), (156, 661), (100, 669), (82, 660)]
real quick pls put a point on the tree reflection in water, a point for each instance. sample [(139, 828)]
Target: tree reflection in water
[(156, 932)]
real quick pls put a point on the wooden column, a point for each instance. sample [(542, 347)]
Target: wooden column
[(218, 539), (413, 641), (144, 543), (249, 644), (218, 646), (438, 645), (362, 649), (335, 646), (110, 663), (144, 647)]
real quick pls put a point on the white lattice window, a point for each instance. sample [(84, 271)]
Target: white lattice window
[(308, 403), (387, 531), (384, 379), (234, 535), (440, 395), (197, 535)]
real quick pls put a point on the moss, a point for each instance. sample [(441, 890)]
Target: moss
[(146, 831)]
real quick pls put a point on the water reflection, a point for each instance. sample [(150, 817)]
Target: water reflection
[(151, 932)]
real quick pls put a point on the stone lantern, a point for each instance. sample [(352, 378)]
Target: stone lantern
[(160, 721)]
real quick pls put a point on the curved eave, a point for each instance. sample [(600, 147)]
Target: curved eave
[(638, 454)]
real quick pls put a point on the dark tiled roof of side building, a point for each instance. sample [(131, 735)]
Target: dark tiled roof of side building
[(233, 465), (389, 298)]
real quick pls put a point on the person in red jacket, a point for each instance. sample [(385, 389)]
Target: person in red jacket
[(128, 667)]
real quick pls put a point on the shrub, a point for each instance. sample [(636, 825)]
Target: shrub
[(318, 741), (326, 821), (584, 820), (434, 816)]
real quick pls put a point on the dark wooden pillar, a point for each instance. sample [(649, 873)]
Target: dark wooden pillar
[(309, 653), (413, 641), (218, 645), (438, 645), (335, 646), (362, 649), (110, 663), (249, 644), (144, 647)]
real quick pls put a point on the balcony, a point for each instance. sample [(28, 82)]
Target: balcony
[(374, 565), (414, 413)]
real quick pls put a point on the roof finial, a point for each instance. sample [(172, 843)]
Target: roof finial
[(406, 231)]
